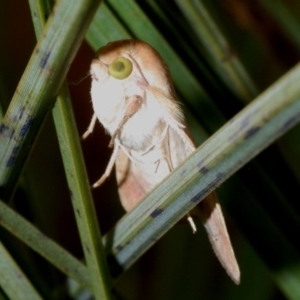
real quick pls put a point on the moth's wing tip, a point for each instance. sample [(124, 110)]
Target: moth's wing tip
[(224, 252), (213, 220), (236, 277), (231, 266), (131, 185)]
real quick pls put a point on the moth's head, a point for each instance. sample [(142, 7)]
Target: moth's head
[(112, 61), (125, 59)]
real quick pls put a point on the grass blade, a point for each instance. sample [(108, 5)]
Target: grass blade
[(39, 85), (50, 250), (13, 281), (81, 195), (79, 187), (226, 64)]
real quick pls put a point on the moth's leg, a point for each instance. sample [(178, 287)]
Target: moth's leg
[(126, 152), (90, 128), (109, 167), (134, 103), (163, 135), (192, 223)]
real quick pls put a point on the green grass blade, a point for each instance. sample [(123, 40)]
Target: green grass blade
[(288, 21), (287, 280), (79, 187), (105, 28), (43, 245), (40, 10), (81, 195), (39, 85), (221, 56), (13, 281)]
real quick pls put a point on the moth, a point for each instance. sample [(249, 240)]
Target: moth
[(134, 99)]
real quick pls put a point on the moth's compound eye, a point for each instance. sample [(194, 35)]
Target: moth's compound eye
[(120, 68)]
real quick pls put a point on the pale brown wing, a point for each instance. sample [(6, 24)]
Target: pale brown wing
[(212, 217), (132, 186)]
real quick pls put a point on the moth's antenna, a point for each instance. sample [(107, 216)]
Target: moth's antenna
[(80, 80)]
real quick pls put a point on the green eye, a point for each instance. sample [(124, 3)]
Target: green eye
[(120, 68)]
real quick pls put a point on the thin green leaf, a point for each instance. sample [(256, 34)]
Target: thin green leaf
[(43, 245), (81, 195), (39, 11), (13, 281), (222, 58), (39, 85), (79, 187), (105, 28), (285, 18)]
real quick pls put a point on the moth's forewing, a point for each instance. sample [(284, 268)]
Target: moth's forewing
[(132, 186), (210, 212)]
